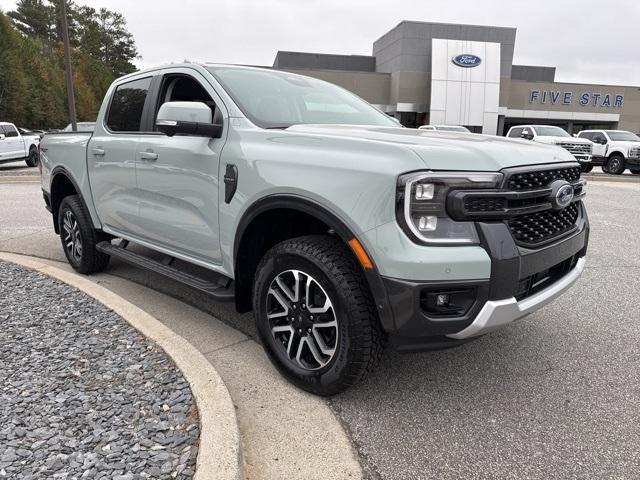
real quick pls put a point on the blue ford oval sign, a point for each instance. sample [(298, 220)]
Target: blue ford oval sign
[(467, 60)]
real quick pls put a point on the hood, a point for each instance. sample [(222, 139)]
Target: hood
[(574, 140), (625, 143), (449, 150)]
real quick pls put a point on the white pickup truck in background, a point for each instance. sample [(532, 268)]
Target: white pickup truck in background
[(580, 148), (15, 146), (614, 150)]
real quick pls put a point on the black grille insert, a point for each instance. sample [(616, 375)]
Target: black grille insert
[(538, 228), (541, 178)]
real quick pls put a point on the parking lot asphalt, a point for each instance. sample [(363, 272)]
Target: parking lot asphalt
[(556, 395)]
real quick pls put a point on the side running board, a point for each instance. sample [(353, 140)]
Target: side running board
[(221, 291)]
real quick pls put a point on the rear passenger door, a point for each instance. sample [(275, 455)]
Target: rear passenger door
[(111, 156), (13, 144), (4, 145), (179, 176)]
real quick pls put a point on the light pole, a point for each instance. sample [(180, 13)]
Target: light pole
[(67, 66)]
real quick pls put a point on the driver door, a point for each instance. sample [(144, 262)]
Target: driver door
[(178, 177), (600, 141)]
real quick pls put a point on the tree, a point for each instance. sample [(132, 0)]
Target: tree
[(32, 75), (103, 35), (13, 80), (35, 18)]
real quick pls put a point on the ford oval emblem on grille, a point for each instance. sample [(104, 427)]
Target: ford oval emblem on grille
[(467, 60), (561, 194)]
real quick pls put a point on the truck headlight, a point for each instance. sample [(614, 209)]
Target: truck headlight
[(421, 200)]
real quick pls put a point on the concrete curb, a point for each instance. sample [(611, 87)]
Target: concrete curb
[(220, 450), (19, 179)]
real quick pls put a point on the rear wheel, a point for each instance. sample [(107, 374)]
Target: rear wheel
[(33, 159), (615, 165), (79, 238), (635, 171), (315, 316), (586, 168)]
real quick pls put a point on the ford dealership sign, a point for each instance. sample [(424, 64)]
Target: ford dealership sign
[(467, 60)]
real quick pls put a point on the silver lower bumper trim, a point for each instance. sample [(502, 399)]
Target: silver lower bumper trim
[(497, 313)]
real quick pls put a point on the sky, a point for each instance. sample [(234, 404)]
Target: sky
[(588, 41)]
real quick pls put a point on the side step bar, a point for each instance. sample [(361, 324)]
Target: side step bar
[(222, 292)]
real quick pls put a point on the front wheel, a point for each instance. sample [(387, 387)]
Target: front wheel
[(585, 168), (33, 159), (79, 238), (615, 165), (315, 316)]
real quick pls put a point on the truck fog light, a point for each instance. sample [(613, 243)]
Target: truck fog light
[(425, 191), (428, 223), (442, 300)]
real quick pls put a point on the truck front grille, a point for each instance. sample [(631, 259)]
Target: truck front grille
[(536, 228), (525, 203), (542, 178), (634, 152), (577, 148)]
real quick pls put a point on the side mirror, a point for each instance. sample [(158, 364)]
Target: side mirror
[(526, 135), (2, 137), (600, 140), (187, 118)]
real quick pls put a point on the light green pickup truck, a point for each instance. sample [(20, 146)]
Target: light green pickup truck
[(293, 198)]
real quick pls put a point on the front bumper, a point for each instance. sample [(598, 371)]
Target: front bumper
[(583, 158), (497, 313), (633, 162), (521, 281)]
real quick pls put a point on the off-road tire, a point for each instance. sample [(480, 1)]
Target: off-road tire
[(33, 159), (585, 168), (90, 259), (360, 339), (616, 164)]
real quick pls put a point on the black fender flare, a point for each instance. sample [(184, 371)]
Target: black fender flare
[(57, 171), (310, 207)]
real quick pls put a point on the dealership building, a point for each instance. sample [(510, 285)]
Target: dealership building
[(436, 73)]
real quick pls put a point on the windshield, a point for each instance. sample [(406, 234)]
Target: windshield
[(273, 99), (451, 128), (623, 136), (550, 132)]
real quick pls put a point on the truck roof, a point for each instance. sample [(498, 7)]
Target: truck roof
[(197, 64)]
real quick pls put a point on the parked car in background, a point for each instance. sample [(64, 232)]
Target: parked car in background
[(614, 150), (580, 148), (16, 146), (300, 201), (445, 128), (82, 127), (28, 132)]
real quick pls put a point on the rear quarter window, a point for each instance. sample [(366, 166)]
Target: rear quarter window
[(127, 104)]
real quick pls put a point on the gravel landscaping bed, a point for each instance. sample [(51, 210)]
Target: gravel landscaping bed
[(83, 395)]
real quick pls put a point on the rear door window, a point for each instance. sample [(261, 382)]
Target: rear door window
[(127, 105), (10, 131), (515, 132)]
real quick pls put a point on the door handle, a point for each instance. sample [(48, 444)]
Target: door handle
[(148, 156), (98, 152)]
